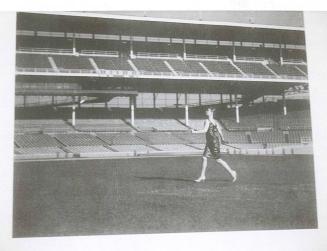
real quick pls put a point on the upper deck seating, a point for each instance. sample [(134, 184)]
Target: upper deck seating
[(303, 68), (150, 65), (222, 67), (109, 63), (285, 70), (159, 124), (32, 61), (253, 68), (72, 62), (195, 67)]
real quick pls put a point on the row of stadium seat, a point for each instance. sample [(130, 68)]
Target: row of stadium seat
[(151, 138), (298, 120), (69, 62)]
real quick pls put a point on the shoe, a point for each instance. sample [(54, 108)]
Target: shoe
[(234, 176), (200, 179)]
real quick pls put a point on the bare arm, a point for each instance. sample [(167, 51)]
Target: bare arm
[(205, 128)]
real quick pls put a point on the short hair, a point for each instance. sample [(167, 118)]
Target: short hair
[(211, 108)]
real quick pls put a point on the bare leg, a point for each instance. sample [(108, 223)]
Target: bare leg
[(227, 167), (203, 171)]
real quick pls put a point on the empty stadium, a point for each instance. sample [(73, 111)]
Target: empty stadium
[(104, 108)]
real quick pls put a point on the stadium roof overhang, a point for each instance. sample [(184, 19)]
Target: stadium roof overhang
[(80, 22), (161, 85), (72, 92)]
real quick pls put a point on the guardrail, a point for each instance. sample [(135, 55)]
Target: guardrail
[(206, 57), (250, 59), (294, 61), (100, 53), (156, 55), (44, 50), (124, 73), (20, 69)]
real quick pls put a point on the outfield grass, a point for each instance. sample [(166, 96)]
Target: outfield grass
[(158, 195)]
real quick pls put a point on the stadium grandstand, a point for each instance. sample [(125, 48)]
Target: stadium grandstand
[(82, 78), (104, 111)]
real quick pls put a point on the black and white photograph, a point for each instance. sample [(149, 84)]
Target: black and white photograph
[(161, 122), (160, 129)]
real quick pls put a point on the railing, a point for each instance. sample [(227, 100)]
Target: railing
[(156, 55), (20, 69), (124, 73), (60, 70), (293, 61), (250, 59), (100, 53), (206, 57), (45, 50)]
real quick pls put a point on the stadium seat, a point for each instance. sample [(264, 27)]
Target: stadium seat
[(32, 61), (221, 67), (285, 70), (108, 63), (253, 68)]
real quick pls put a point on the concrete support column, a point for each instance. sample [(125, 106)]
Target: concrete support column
[(73, 115), (74, 45), (284, 105), (154, 100), (281, 54), (186, 110), (234, 54), (184, 50), (221, 99), (177, 104), (132, 106), (237, 110), (131, 51)]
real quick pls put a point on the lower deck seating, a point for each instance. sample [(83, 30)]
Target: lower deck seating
[(87, 149), (120, 139), (249, 122), (268, 137), (191, 138), (235, 137), (102, 125), (160, 124), (133, 148), (35, 140), (79, 139), (40, 150), (175, 148), (156, 138), (298, 136), (42, 125), (296, 120)]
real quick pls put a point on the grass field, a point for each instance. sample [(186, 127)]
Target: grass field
[(158, 195)]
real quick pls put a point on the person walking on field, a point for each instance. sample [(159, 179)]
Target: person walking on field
[(214, 136)]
